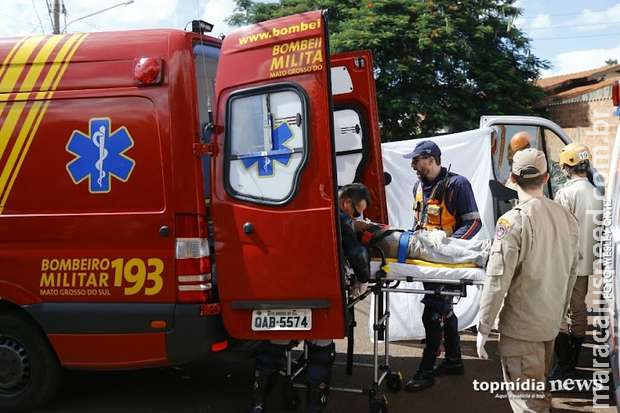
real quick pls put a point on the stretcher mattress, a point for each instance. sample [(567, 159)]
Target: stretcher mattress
[(430, 271), (406, 309)]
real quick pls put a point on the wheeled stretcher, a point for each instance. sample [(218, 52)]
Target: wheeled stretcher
[(452, 280)]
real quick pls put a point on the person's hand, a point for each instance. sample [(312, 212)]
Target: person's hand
[(436, 236), (358, 289), (481, 340)]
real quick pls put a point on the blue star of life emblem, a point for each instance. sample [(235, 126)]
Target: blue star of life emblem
[(100, 155), (280, 153)]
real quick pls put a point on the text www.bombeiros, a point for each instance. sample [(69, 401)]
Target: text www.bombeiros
[(280, 31)]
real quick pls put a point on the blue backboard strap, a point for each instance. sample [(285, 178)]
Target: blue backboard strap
[(403, 246)]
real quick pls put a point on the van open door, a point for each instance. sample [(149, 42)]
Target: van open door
[(274, 205), (356, 127), (545, 136)]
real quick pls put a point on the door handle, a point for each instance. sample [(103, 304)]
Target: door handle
[(164, 231), (248, 228)]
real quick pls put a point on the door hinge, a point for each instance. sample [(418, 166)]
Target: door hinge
[(205, 149)]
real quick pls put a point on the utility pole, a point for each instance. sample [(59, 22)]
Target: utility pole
[(56, 18)]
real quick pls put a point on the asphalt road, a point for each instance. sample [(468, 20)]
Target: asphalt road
[(223, 385)]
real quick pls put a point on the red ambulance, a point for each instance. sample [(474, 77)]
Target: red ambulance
[(132, 163)]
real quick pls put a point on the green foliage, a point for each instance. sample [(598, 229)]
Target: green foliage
[(439, 64)]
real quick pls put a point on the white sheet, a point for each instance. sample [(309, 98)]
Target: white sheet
[(469, 153), (430, 273)]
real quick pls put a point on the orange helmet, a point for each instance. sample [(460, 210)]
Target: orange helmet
[(519, 141)]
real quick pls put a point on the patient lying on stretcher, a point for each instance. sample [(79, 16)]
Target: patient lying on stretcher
[(433, 246)]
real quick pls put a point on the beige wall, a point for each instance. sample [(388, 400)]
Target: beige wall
[(578, 118)]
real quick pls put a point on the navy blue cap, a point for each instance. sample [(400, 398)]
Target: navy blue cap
[(424, 148)]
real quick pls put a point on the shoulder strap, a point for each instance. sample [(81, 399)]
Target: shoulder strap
[(415, 189), (440, 189)]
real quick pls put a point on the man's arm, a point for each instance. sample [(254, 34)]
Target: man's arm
[(463, 203), (572, 279), (500, 270), (562, 198)]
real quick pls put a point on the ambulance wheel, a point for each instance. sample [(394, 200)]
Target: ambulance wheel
[(29, 370), (394, 381), (378, 404), (291, 398)]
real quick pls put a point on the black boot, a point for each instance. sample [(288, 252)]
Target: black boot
[(422, 379), (320, 360), (564, 354), (269, 361), (453, 363), (454, 367)]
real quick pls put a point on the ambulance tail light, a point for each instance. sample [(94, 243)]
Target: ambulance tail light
[(193, 261), (615, 93)]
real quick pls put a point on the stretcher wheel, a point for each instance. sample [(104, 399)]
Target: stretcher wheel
[(378, 404), (394, 381)]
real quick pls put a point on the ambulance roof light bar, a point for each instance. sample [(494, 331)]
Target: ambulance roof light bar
[(201, 27)]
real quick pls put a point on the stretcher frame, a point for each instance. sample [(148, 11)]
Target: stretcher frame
[(381, 287)]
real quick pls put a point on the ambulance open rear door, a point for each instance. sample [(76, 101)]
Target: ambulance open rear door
[(274, 203), (356, 128)]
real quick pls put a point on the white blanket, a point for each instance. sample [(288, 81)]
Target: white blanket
[(430, 273), (469, 153)]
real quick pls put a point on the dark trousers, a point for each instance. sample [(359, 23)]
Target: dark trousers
[(438, 323)]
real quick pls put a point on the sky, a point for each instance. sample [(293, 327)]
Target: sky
[(572, 35)]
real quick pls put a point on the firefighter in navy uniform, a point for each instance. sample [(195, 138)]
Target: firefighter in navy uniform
[(353, 200), (442, 201)]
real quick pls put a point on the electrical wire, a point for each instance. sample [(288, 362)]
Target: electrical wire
[(577, 37), (574, 25), (49, 12), (576, 13), (64, 12), (38, 17)]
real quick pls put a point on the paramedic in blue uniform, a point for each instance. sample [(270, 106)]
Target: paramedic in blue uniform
[(353, 199), (442, 201)]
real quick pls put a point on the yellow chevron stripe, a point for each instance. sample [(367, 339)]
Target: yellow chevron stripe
[(9, 124), (8, 57), (33, 74), (53, 78), (19, 55), (18, 62), (39, 63), (79, 39), (16, 108), (62, 59), (6, 172)]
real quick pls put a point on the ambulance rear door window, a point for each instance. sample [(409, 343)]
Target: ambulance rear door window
[(349, 145), (266, 143)]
